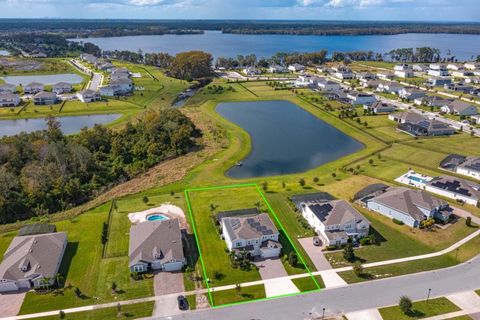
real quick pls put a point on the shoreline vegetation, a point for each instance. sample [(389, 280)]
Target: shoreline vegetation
[(84, 28)]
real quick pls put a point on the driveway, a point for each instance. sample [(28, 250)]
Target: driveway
[(10, 304), (273, 270), (371, 314), (166, 283), (315, 254), (468, 300)]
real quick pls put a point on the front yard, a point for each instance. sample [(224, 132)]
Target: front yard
[(421, 309)]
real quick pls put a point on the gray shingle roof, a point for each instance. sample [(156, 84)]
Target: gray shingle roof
[(40, 254), (155, 240), (336, 212), (249, 227)]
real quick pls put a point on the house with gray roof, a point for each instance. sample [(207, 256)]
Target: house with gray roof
[(455, 188), (156, 245), (470, 167), (254, 233), (61, 87), (460, 108), (45, 98), (9, 99), (380, 107), (8, 88), (336, 221), (412, 93), (32, 88), (32, 261), (409, 206), (432, 101), (88, 96)]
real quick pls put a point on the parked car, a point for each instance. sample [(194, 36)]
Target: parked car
[(182, 303)]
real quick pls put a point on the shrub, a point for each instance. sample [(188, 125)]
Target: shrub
[(348, 252), (468, 222), (405, 304), (293, 259), (358, 268), (399, 222), (331, 247)]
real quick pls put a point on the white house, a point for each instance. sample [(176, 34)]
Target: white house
[(476, 119), (32, 88), (386, 75), (462, 73), (411, 93), (9, 100), (357, 97), (454, 66), (8, 88), (403, 70), (276, 68), (343, 72), (296, 67), (88, 96), (390, 87), (472, 65), (455, 188), (328, 85), (61, 87), (256, 234), (252, 71), (156, 245), (365, 76), (380, 107), (470, 167), (32, 261), (45, 98), (438, 70)]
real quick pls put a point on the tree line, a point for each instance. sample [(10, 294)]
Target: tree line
[(46, 171)]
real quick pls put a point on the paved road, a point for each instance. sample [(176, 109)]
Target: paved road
[(352, 298)]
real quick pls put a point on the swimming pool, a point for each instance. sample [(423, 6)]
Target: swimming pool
[(417, 179), (157, 217)]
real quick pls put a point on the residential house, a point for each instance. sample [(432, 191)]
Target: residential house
[(403, 70), (328, 85), (339, 95), (380, 107), (454, 66), (252, 71), (365, 76), (455, 188), (296, 67), (462, 73), (438, 82), (253, 232), (276, 68), (438, 70), (390, 87), (156, 245), (335, 221), (472, 65), (473, 80), (9, 99), (343, 72), (357, 97), (372, 84), (88, 96), (432, 101), (417, 125), (90, 58), (307, 80), (117, 87), (45, 98), (32, 88), (386, 75), (32, 261), (458, 87), (61, 87), (8, 88), (460, 108), (406, 117), (420, 68), (475, 119), (470, 167), (409, 206), (412, 93)]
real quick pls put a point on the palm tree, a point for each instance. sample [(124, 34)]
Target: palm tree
[(59, 278)]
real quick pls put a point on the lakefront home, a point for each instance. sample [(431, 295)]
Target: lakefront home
[(32, 261), (45, 98), (335, 221), (9, 99), (417, 125), (251, 231), (61, 87), (467, 166), (343, 72), (88, 96), (403, 70), (296, 67), (8, 88), (362, 98), (408, 206), (328, 85), (380, 107), (438, 70), (32, 88), (156, 245)]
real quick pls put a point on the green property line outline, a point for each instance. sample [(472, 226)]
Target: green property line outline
[(210, 290)]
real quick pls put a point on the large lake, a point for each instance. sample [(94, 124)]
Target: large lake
[(69, 124), (285, 138), (47, 79), (220, 44)]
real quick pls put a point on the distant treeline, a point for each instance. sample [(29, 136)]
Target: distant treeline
[(109, 28), (46, 171)]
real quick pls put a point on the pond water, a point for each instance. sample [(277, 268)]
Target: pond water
[(285, 138), (47, 79), (69, 124), (463, 46)]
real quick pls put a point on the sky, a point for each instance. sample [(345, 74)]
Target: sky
[(417, 10)]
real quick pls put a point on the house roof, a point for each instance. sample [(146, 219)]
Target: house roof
[(7, 85), (8, 96), (155, 240), (237, 213), (409, 201), (88, 93), (471, 163), (410, 117), (452, 161), (311, 198), (456, 185), (460, 106), (45, 95), (370, 189), (382, 105), (62, 84), (437, 126), (336, 212), (34, 84), (40, 254), (249, 227)]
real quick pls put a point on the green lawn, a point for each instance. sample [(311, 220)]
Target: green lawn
[(243, 294), (192, 302), (132, 311), (463, 254), (307, 284), (421, 309)]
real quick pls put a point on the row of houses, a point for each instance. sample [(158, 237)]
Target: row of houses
[(418, 125)]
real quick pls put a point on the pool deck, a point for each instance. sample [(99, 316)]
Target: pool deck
[(414, 179)]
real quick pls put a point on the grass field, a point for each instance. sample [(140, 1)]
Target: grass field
[(132, 311), (243, 294), (421, 309)]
